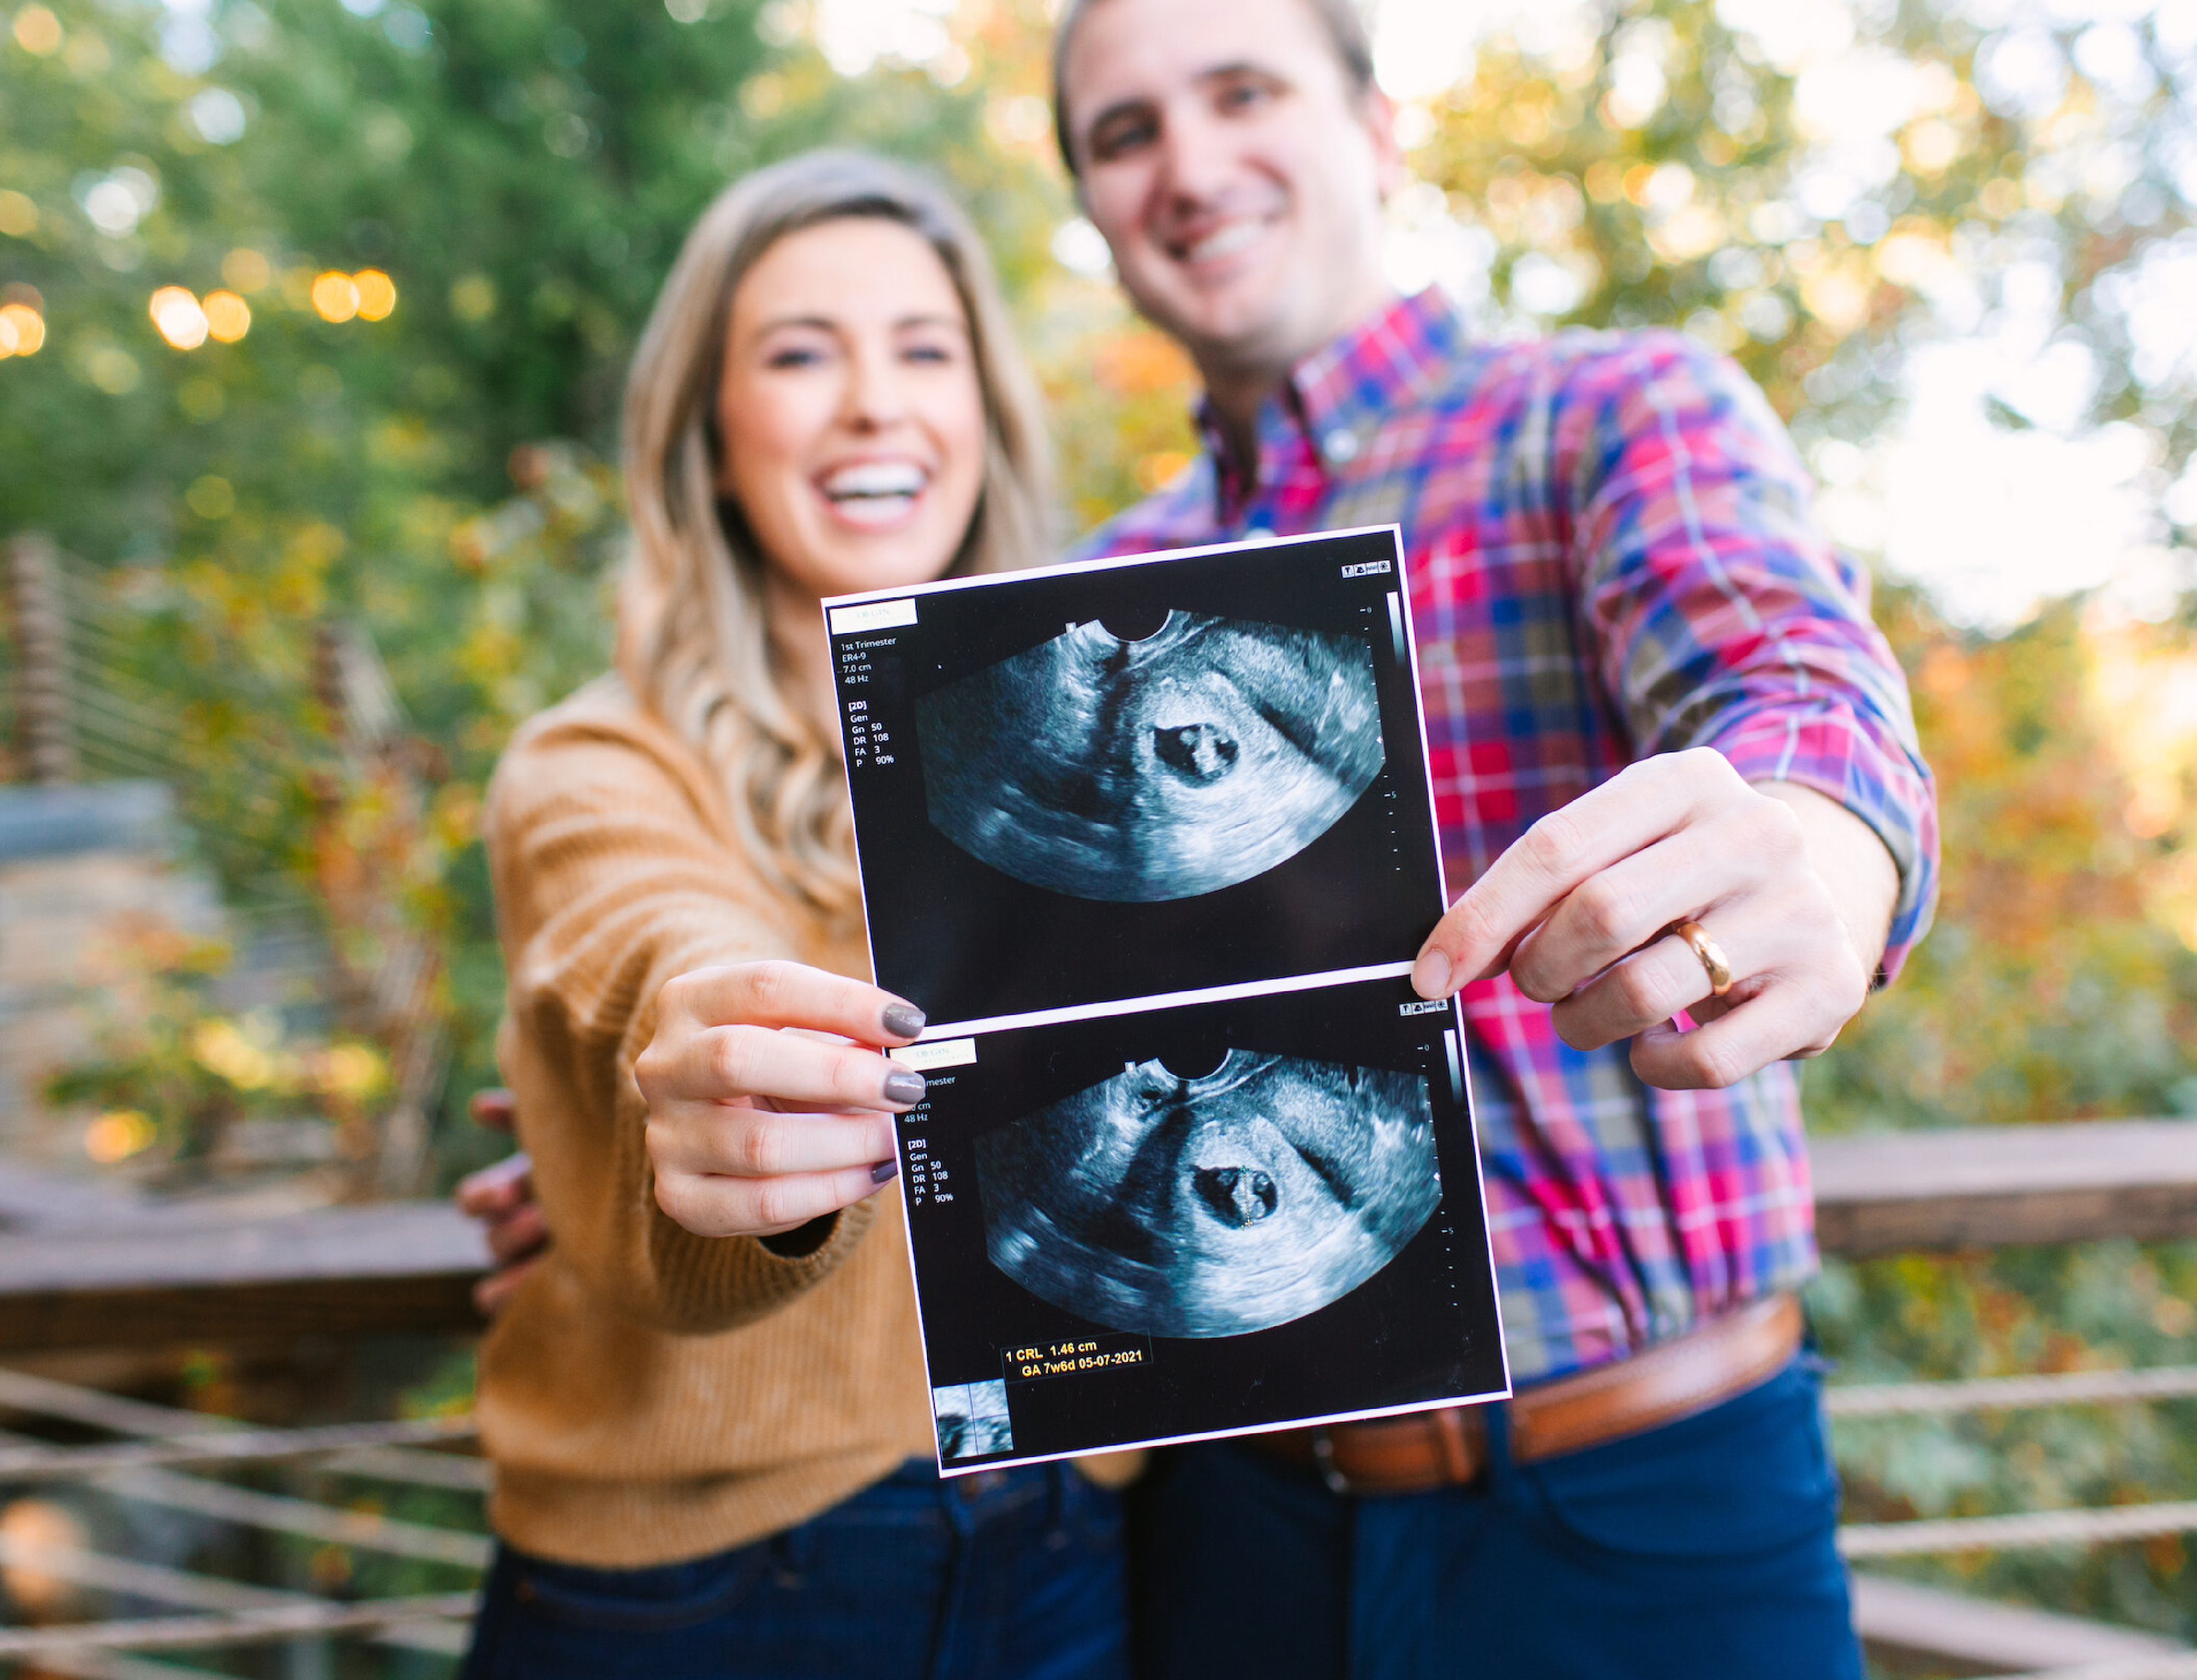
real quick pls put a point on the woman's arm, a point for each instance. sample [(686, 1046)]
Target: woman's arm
[(615, 884)]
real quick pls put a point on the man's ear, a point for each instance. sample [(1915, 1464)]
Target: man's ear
[(1380, 117)]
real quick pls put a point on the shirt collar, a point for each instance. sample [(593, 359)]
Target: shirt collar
[(1335, 396)]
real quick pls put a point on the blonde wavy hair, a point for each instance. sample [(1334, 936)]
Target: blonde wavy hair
[(692, 645)]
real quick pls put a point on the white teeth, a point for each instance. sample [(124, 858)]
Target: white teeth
[(1227, 241), (876, 478)]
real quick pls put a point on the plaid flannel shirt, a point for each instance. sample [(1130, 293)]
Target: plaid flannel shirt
[(1611, 556)]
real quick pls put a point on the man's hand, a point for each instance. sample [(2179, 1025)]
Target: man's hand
[(1795, 890), (767, 1107), (501, 1197)]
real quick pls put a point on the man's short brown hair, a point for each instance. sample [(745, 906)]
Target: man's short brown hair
[(1346, 32)]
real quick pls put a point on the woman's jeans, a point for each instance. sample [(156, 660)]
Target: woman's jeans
[(1001, 1575)]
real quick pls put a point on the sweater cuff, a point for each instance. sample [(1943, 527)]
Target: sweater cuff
[(717, 1283)]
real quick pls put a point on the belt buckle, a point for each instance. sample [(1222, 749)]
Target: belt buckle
[(1322, 1460)]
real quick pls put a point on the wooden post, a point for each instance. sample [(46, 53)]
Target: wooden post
[(45, 733)]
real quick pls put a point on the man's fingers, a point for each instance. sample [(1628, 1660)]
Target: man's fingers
[(730, 1207), (793, 994), (1714, 865), (490, 1292), (505, 1185), (1781, 1021), (760, 1144), (518, 1233), (1639, 806)]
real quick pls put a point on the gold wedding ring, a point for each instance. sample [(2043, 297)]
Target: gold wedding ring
[(1711, 953)]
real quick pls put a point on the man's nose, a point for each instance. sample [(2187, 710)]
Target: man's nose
[(1194, 158)]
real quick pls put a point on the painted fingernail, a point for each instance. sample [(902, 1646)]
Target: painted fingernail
[(902, 1021), (904, 1086), (884, 1171), (1430, 975)]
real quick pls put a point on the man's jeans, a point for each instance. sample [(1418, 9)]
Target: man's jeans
[(1004, 1575), (1702, 1549)]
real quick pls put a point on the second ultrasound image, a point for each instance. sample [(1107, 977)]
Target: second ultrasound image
[(1203, 1217), (1213, 1203)]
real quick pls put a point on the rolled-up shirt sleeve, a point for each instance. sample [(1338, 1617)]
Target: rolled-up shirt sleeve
[(1719, 614)]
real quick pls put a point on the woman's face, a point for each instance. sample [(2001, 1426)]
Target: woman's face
[(852, 419)]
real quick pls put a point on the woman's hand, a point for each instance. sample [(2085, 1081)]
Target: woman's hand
[(1795, 890), (767, 1106)]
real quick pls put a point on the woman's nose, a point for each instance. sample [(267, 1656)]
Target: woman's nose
[(876, 394)]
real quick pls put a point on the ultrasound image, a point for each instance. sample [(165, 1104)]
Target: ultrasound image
[(1135, 771), (972, 1420), (1214, 1204)]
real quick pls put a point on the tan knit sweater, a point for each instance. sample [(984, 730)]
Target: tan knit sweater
[(648, 1394)]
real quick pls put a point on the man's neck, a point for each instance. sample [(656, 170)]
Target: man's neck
[(1236, 390)]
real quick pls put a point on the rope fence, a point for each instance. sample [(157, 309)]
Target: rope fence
[(2001, 1393), (63, 1463), (274, 1622)]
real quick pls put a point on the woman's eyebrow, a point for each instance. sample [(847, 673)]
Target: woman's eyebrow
[(953, 322)]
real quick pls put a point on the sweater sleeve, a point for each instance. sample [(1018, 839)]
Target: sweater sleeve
[(1720, 615), (612, 878)]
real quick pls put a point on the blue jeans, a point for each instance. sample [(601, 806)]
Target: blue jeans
[(1703, 1548), (1002, 1575)]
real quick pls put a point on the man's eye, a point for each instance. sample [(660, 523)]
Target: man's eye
[(1118, 139), (1243, 95)]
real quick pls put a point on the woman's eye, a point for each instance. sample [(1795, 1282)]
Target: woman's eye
[(931, 356), (793, 355)]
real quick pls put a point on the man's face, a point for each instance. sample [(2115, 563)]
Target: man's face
[(1235, 172)]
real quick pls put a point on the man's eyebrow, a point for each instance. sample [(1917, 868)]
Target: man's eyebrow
[(1212, 72)]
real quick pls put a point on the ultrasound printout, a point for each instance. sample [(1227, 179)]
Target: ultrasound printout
[(1151, 842)]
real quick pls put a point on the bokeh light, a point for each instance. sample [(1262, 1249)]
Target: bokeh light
[(18, 216), (22, 330), (228, 316), (246, 269), (377, 294), (178, 317), (117, 1135), (335, 296), (38, 31)]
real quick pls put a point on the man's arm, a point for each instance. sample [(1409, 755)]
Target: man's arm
[(1780, 803)]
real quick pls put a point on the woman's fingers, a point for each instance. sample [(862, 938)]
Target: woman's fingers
[(726, 1064), (735, 1141), (494, 1190), (517, 1234), (736, 1207), (792, 994)]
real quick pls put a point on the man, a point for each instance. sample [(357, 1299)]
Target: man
[(1676, 771)]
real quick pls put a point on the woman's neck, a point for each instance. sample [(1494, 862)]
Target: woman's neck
[(794, 620)]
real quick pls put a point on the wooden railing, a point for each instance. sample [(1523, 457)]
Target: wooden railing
[(82, 1270), (83, 1267)]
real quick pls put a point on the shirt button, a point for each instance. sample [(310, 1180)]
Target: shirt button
[(1339, 446)]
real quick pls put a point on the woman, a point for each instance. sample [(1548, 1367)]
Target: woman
[(707, 1406)]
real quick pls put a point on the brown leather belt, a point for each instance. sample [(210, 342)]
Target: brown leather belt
[(1425, 1450)]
